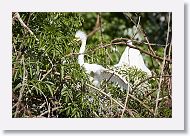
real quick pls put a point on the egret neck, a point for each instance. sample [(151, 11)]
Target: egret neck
[(81, 52)]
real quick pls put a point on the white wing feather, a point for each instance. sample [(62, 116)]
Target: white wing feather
[(112, 77), (100, 73), (132, 57)]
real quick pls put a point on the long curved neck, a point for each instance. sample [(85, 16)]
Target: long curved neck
[(81, 52)]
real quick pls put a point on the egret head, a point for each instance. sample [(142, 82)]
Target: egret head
[(80, 35)]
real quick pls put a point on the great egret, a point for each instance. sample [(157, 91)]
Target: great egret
[(98, 72), (133, 58)]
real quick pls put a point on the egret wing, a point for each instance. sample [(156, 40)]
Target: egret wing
[(112, 76)]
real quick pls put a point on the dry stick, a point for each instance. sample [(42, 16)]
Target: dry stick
[(46, 112), (144, 34), (162, 70), (42, 105), (111, 106), (120, 103), (138, 42), (22, 89), (49, 110), (21, 104), (48, 70), (30, 14), (96, 114), (112, 99), (106, 95), (154, 56), (14, 66), (170, 80), (170, 50), (101, 33), (146, 38), (96, 27), (126, 99), (122, 43), (43, 79), (149, 79), (46, 74), (17, 15), (48, 104), (136, 28), (148, 108)]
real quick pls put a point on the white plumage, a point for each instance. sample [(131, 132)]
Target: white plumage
[(132, 57), (98, 72)]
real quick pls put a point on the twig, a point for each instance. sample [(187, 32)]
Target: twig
[(120, 103), (112, 99), (22, 88), (101, 33), (17, 15), (126, 99), (136, 27), (107, 81), (46, 112), (48, 70), (148, 53), (151, 111), (121, 43), (138, 42), (106, 95), (30, 14), (21, 104), (96, 114), (143, 32), (149, 79), (49, 110), (162, 70), (45, 74), (96, 27)]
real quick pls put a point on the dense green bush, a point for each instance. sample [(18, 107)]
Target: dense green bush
[(47, 81)]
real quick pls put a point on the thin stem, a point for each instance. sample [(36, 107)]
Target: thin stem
[(126, 99), (17, 15), (162, 70)]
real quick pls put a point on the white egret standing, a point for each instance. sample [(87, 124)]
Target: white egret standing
[(99, 72), (132, 57)]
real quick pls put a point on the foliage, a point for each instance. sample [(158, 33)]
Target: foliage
[(47, 81)]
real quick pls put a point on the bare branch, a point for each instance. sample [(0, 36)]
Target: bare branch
[(162, 70), (17, 15), (96, 27), (142, 31)]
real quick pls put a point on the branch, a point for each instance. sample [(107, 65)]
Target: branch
[(46, 112), (96, 27), (149, 79), (148, 53), (106, 95), (122, 43), (137, 42), (143, 32), (162, 71), (22, 88), (17, 16), (148, 108), (127, 96)]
